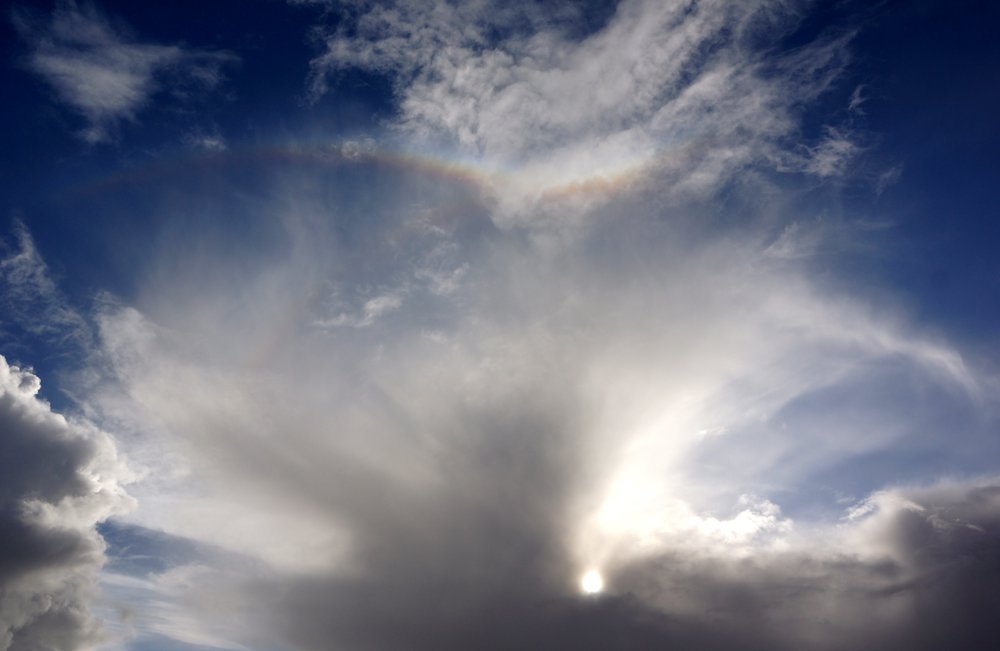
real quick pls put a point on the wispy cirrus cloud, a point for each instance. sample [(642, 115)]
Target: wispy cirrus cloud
[(105, 74), (517, 89), (33, 302)]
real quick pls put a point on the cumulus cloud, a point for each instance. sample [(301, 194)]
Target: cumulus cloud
[(58, 478), (913, 568), (101, 71)]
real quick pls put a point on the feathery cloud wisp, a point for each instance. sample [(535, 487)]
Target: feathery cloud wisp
[(101, 72)]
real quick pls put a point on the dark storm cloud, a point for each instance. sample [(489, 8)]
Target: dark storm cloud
[(57, 478), (96, 68), (926, 576)]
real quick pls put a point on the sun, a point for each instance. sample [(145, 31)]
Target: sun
[(592, 582)]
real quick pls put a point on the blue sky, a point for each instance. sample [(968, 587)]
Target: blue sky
[(380, 325)]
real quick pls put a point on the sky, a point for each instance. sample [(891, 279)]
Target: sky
[(472, 324)]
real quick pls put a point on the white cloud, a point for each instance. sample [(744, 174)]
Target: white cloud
[(554, 423), (102, 72), (661, 80), (213, 142), (832, 154), (371, 310), (888, 178), (406, 400), (625, 361), (33, 301)]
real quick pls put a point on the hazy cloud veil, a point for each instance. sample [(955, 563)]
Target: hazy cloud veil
[(574, 312)]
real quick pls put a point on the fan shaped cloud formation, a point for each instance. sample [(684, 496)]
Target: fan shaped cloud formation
[(590, 324)]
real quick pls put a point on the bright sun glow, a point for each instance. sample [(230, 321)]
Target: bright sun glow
[(592, 582)]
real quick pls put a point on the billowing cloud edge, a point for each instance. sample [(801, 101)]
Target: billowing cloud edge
[(60, 478)]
